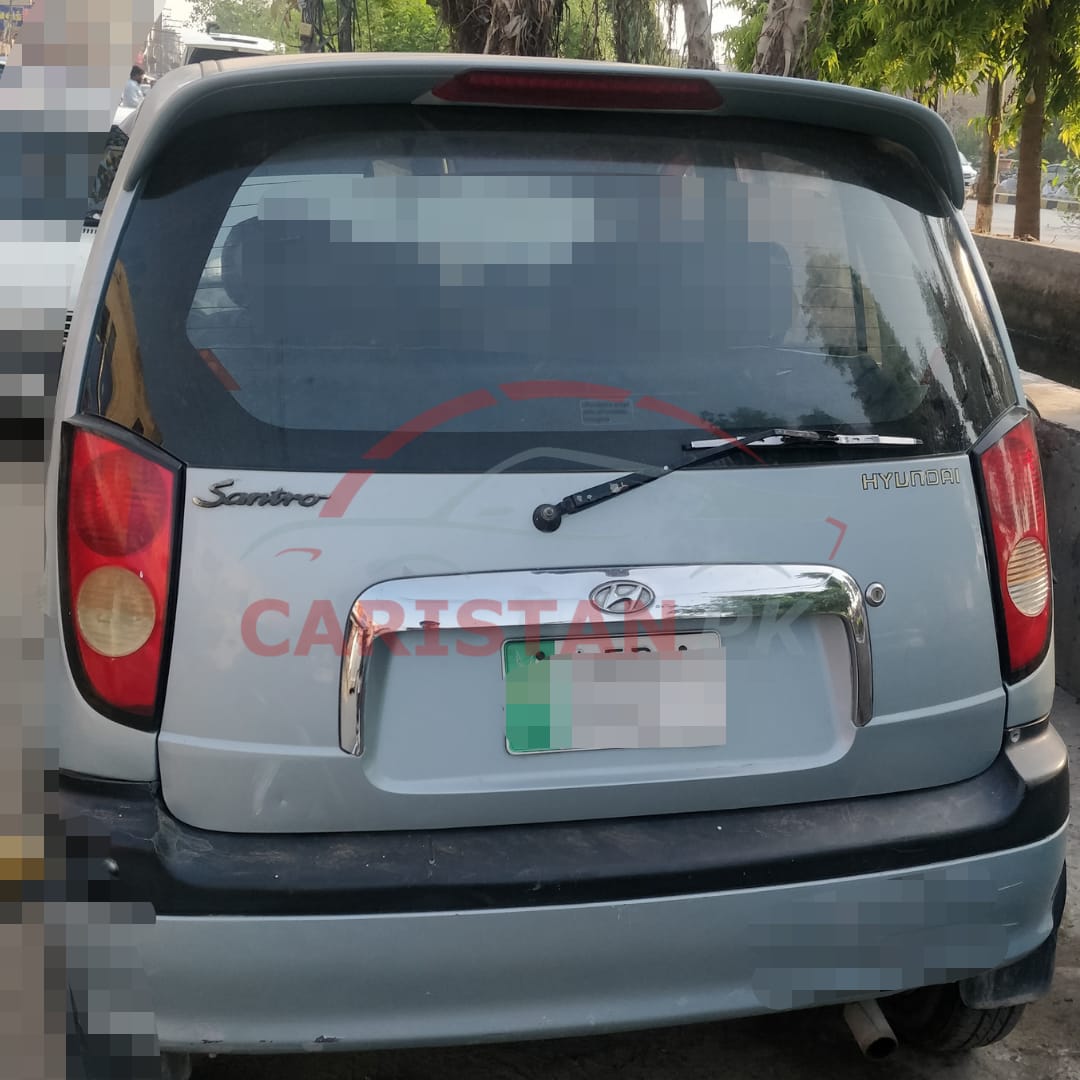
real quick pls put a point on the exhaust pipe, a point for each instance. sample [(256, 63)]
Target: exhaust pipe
[(870, 1028)]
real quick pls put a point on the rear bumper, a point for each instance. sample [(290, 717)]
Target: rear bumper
[(464, 935), (1020, 800)]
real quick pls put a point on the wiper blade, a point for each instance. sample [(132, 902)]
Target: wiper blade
[(801, 437), (548, 516)]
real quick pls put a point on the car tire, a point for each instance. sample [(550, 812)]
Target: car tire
[(175, 1066), (936, 1019)]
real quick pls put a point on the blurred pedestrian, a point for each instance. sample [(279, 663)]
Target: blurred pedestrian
[(133, 88)]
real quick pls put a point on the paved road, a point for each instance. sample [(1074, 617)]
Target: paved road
[(812, 1045), (1054, 229)]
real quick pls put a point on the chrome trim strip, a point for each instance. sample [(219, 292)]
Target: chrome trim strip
[(691, 593)]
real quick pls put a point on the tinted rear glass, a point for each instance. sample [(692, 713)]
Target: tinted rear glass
[(475, 289)]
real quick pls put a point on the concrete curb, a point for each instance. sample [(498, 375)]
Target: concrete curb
[(1046, 204)]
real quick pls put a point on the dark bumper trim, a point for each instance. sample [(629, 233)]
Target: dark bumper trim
[(186, 871)]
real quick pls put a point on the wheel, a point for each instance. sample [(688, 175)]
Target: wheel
[(936, 1019), (175, 1066)]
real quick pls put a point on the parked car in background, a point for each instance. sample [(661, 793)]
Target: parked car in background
[(1059, 181), (199, 46), (1055, 181), (542, 548), (971, 175)]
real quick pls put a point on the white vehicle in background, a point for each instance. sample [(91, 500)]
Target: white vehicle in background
[(971, 175), (200, 46)]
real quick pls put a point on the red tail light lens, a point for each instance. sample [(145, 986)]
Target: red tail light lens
[(117, 555), (637, 92), (1016, 512)]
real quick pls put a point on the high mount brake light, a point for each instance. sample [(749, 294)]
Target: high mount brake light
[(1016, 515), (541, 89), (118, 534)]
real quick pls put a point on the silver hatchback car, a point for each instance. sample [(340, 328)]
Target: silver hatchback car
[(542, 548)]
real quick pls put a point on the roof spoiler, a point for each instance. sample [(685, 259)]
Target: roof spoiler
[(202, 92)]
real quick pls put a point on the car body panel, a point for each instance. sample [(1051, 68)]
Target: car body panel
[(242, 732), (341, 983)]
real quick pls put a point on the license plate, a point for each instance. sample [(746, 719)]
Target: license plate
[(656, 691)]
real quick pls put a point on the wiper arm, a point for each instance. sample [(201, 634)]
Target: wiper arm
[(548, 516), (801, 437)]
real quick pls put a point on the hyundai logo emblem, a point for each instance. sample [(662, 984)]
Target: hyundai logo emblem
[(622, 597)]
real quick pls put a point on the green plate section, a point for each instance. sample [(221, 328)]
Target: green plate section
[(538, 703)]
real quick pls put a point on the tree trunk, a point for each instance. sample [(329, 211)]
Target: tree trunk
[(1032, 125), (699, 40), (308, 17), (988, 167), (346, 12), (467, 21), (522, 27), (620, 32), (782, 41)]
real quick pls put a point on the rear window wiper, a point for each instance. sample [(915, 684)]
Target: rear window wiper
[(802, 437), (547, 517)]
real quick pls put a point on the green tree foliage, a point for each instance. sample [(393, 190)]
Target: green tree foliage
[(400, 26), (585, 31), (638, 35), (739, 43), (969, 140), (926, 47), (382, 25), (256, 18)]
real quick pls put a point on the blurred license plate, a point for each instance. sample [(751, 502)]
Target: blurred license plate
[(656, 691)]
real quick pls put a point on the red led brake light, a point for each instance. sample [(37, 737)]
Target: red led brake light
[(540, 89)]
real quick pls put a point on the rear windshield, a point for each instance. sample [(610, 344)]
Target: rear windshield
[(449, 290)]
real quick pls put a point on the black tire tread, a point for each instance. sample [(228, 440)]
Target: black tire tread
[(945, 1025)]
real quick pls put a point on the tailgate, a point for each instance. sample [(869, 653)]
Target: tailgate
[(384, 336), (816, 695)]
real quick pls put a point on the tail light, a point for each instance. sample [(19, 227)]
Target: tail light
[(119, 515), (548, 90), (1016, 519)]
